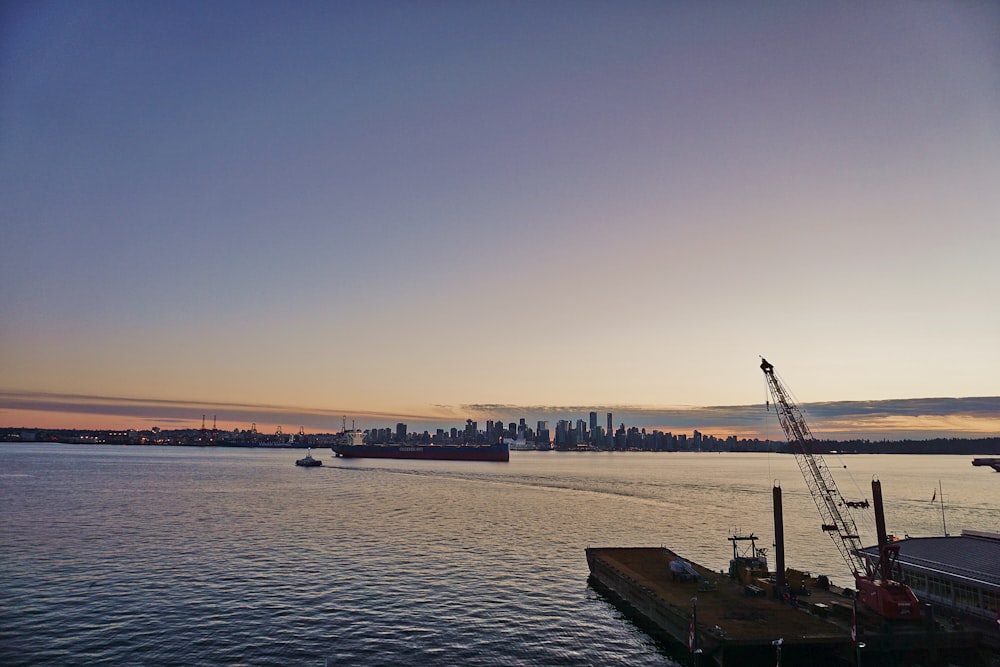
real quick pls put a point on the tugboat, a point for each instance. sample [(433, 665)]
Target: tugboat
[(308, 461)]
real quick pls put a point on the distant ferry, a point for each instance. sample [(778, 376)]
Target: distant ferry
[(351, 445)]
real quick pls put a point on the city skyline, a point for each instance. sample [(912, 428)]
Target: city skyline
[(423, 212), (889, 419)]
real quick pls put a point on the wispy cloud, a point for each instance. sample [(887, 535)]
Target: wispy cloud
[(918, 417), (182, 414), (888, 419)]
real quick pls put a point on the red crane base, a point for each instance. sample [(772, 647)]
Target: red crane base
[(888, 599)]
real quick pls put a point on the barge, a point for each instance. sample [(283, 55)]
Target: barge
[(732, 622)]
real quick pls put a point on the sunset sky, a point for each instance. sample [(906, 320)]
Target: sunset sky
[(418, 211)]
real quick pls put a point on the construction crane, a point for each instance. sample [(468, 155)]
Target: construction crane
[(876, 588)]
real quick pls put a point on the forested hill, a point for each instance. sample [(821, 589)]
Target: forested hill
[(974, 446)]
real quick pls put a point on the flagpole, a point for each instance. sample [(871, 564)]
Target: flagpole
[(854, 632), (854, 628), (693, 635), (944, 526)]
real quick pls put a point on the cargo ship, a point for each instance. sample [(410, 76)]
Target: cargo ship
[(497, 452), (351, 444)]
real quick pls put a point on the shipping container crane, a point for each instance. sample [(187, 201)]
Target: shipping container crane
[(876, 588)]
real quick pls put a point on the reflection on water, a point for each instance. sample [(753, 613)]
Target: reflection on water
[(146, 554)]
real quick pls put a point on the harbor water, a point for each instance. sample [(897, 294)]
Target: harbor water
[(131, 555)]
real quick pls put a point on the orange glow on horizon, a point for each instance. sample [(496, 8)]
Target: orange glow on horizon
[(885, 426), (968, 426), (46, 419)]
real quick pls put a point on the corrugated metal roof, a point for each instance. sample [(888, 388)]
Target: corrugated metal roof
[(965, 556)]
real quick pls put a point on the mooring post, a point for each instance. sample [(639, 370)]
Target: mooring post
[(779, 540)]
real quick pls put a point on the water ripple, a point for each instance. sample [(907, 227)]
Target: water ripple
[(127, 555)]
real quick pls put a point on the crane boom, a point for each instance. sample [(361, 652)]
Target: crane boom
[(822, 487), (876, 589)]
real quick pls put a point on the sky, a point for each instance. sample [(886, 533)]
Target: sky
[(401, 211)]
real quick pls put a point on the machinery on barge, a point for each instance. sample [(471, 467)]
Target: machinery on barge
[(877, 589)]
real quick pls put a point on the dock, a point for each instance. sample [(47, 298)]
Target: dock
[(742, 623), (991, 462)]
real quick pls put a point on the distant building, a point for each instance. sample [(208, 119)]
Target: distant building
[(543, 439)]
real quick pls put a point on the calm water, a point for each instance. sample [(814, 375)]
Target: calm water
[(149, 555)]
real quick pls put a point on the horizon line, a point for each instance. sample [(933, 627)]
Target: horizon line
[(977, 416)]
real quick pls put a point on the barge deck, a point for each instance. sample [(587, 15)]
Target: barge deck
[(738, 624)]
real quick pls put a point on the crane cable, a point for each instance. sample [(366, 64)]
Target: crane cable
[(765, 431), (866, 513)]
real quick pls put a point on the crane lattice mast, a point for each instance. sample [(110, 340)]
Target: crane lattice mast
[(836, 521)]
